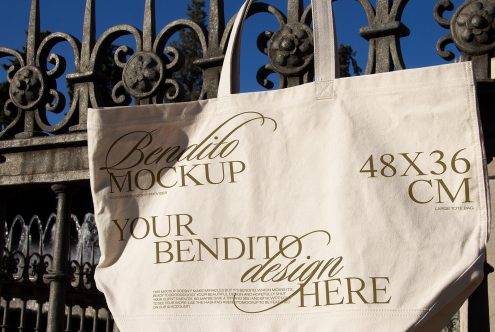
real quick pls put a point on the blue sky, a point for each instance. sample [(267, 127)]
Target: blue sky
[(67, 16)]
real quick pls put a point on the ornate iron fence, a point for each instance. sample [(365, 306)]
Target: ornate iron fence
[(47, 259)]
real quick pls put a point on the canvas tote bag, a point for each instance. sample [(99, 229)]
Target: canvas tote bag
[(351, 204)]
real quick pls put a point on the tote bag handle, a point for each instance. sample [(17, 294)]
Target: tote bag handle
[(324, 47)]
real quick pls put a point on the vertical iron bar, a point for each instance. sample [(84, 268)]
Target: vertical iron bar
[(88, 41), (39, 314), (31, 47), (92, 259), (22, 319), (382, 44), (33, 33), (69, 319), (149, 33), (95, 320), (3, 216), (482, 66), (5, 320), (108, 321), (294, 12), (216, 27), (149, 25), (83, 318), (59, 277)]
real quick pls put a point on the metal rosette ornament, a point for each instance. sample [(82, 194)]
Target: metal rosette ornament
[(291, 48), (143, 74), (473, 27), (27, 87)]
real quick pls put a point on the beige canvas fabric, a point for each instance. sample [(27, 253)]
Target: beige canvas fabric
[(350, 204)]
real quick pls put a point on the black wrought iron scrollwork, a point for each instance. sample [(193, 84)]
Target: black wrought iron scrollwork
[(146, 72), (26, 257), (289, 49), (33, 88), (173, 91), (147, 69), (84, 253), (119, 95), (440, 8), (13, 265), (55, 101), (10, 110), (472, 30), (39, 266)]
